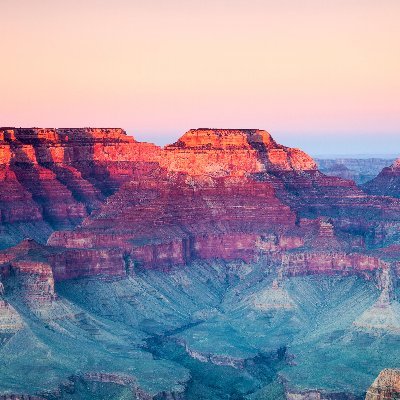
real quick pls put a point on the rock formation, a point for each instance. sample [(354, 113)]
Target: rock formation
[(214, 193), (10, 320), (238, 152), (170, 219), (274, 297), (387, 183), (57, 176), (386, 386), (25, 269)]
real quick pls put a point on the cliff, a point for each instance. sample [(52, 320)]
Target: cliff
[(170, 219), (56, 177), (293, 174), (26, 270)]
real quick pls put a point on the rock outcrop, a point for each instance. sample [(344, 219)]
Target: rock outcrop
[(274, 297), (328, 263), (10, 320), (386, 386), (384, 315), (291, 172), (171, 219)]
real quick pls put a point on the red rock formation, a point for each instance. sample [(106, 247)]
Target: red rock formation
[(232, 198), (37, 266), (87, 262), (16, 203), (169, 219), (292, 173), (221, 152), (328, 263), (213, 194), (59, 175)]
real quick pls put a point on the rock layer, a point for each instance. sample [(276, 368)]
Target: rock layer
[(58, 176), (221, 152)]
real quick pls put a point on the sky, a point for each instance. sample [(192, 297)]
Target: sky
[(319, 75)]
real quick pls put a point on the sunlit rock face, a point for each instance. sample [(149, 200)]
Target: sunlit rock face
[(293, 174), (386, 386), (222, 193), (387, 183), (221, 152), (53, 178)]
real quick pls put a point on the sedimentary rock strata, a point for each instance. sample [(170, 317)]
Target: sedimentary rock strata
[(220, 152), (58, 176)]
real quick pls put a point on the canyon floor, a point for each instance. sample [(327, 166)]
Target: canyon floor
[(211, 330)]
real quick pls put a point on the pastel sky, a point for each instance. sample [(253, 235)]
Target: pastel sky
[(321, 75)]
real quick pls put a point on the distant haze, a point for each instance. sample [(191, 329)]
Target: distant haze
[(319, 75)]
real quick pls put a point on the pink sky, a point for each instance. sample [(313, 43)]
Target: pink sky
[(311, 72)]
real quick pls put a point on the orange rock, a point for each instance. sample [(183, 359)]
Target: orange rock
[(237, 152)]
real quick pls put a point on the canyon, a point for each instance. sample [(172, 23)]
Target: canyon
[(360, 170), (224, 265)]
